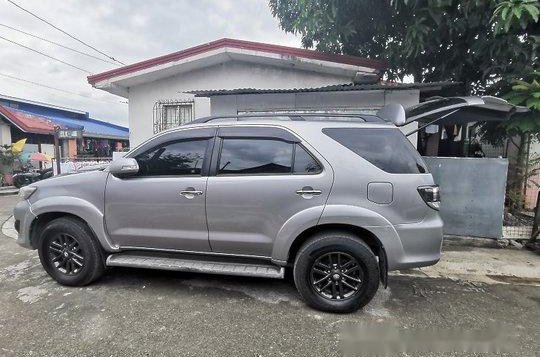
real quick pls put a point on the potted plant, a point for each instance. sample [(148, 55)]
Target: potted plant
[(7, 160)]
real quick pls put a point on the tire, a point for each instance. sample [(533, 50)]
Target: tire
[(314, 269), (69, 252)]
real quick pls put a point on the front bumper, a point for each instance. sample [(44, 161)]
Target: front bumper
[(23, 218)]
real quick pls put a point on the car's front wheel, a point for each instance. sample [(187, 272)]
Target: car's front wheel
[(69, 252), (336, 272)]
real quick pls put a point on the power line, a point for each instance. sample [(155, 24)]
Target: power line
[(58, 89), (46, 55), (64, 32), (57, 44)]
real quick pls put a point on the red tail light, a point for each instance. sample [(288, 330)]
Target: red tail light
[(431, 196)]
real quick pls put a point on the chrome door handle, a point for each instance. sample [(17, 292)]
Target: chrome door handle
[(190, 193), (308, 191)]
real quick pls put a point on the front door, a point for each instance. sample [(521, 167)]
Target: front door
[(163, 207), (261, 177)]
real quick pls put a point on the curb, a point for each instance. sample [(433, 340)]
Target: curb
[(8, 191), (7, 228)]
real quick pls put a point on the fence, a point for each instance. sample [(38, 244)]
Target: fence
[(68, 165), (472, 194)]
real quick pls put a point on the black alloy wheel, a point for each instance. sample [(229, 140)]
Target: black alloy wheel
[(336, 276), (66, 255), (70, 252), (336, 271)]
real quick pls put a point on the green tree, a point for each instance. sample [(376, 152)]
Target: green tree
[(487, 45), (525, 91), (433, 40), (7, 159), (515, 13), (521, 131)]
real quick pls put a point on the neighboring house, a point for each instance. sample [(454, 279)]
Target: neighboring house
[(21, 118), (230, 76)]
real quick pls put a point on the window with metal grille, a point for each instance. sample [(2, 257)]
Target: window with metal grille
[(170, 114)]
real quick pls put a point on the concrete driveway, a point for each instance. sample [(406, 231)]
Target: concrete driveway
[(152, 313)]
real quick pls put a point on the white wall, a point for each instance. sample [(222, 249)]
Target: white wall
[(350, 101), (5, 134), (228, 75)]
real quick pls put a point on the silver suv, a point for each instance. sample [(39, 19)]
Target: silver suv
[(338, 201)]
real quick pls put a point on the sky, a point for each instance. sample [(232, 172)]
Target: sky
[(128, 30)]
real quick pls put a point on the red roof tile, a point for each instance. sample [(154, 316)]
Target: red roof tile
[(28, 123)]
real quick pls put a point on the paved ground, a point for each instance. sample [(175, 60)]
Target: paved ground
[(139, 312)]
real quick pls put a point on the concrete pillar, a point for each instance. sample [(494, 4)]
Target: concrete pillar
[(5, 134)]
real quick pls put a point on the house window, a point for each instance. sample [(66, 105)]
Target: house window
[(171, 114)]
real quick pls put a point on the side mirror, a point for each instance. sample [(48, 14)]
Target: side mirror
[(124, 167)]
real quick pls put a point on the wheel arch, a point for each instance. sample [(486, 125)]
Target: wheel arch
[(368, 237), (43, 219), (48, 209)]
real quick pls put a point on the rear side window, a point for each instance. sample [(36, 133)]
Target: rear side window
[(255, 156), (250, 156), (174, 158), (388, 149)]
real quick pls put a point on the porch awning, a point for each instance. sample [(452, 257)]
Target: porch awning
[(39, 124), (95, 128), (27, 122)]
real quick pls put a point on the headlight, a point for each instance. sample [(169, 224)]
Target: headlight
[(26, 191)]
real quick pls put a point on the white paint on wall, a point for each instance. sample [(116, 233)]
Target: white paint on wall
[(228, 75)]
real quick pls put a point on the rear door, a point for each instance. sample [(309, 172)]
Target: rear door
[(460, 110), (261, 177)]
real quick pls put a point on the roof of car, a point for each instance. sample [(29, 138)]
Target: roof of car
[(311, 121)]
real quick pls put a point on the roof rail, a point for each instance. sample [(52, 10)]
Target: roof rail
[(293, 116)]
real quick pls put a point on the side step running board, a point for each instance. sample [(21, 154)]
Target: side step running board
[(197, 266)]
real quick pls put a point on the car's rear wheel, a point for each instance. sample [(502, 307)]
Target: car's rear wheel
[(337, 272), (69, 252)]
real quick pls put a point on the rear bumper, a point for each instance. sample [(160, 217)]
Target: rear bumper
[(23, 218), (421, 242)]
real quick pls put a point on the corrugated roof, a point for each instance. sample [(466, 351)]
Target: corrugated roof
[(332, 88)]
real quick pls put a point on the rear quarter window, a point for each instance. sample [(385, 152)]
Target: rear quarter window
[(386, 148)]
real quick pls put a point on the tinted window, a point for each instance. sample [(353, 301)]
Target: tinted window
[(304, 163), (388, 149), (255, 156), (432, 105), (176, 158)]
